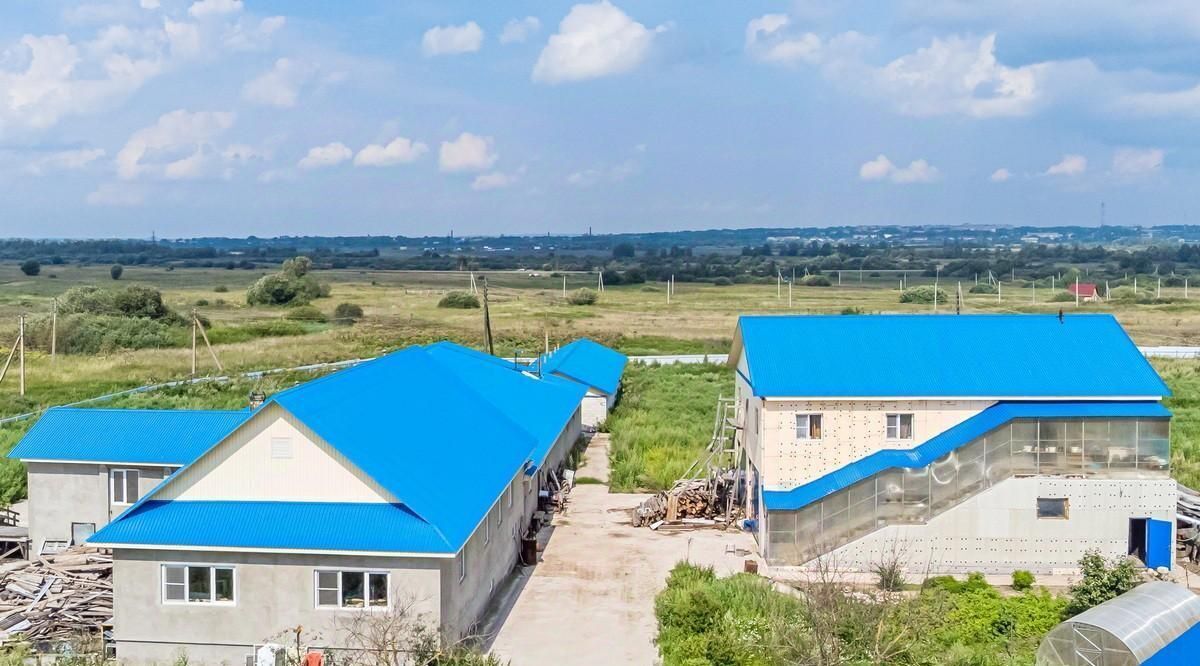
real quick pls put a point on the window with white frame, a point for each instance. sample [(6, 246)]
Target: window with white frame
[(124, 485), (899, 426), (352, 589), (808, 426), (190, 584)]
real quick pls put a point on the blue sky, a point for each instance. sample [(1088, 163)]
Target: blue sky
[(223, 117)]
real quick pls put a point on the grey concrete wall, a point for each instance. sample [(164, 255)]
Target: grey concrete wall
[(65, 493), (274, 592)]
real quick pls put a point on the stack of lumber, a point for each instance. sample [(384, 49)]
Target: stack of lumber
[(690, 501), (56, 597)]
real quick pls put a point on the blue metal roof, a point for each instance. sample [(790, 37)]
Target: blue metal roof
[(589, 363), (151, 436), (1002, 356), (284, 525), (960, 435)]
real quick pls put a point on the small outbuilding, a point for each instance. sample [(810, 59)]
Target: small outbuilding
[(1086, 291), (597, 367), (1154, 624)]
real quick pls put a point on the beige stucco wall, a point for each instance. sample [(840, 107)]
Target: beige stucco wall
[(242, 467), (851, 430), (65, 493)]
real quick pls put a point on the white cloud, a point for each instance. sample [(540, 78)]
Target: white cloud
[(115, 194), (1137, 161), (64, 160), (246, 34), (277, 175), (496, 179), (330, 154), (452, 39), (178, 146), (278, 86), (595, 176), (518, 30), (1070, 165), (1184, 102), (398, 151), (882, 168), (468, 152), (207, 8), (149, 4), (768, 39), (592, 41), (1000, 175)]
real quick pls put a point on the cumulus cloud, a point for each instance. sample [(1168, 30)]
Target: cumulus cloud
[(115, 194), (882, 168), (1184, 102), (178, 145), (64, 160), (331, 154), (1000, 175), (397, 151), (496, 179), (519, 30), (1069, 165), (278, 86), (452, 39), (468, 152), (592, 41), (1137, 161), (207, 8), (768, 39)]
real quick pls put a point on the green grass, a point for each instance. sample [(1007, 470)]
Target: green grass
[(663, 422), (1183, 377)]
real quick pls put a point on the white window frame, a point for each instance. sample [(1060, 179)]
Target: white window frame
[(887, 426), (124, 472), (808, 427), (367, 573), (66, 543), (187, 593)]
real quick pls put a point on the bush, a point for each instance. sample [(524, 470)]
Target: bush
[(31, 267), (923, 294), (138, 302), (1101, 580), (583, 296), (1022, 580), (201, 302), (116, 271), (723, 282), (292, 285), (347, 313), (1063, 297), (220, 289), (815, 281), (306, 313), (460, 300), (982, 288), (98, 334)]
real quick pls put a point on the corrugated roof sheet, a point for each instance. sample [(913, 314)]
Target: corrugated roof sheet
[(589, 363), (1146, 619), (285, 525), (960, 435), (151, 436), (1002, 356)]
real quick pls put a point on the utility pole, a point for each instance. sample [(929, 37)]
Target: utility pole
[(998, 289), (21, 340), (959, 300), (194, 324), (1158, 290), (778, 284), (54, 331), (669, 281), (564, 286), (487, 321), (1076, 291), (1034, 297), (211, 352)]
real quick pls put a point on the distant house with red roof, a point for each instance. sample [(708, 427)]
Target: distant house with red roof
[(1085, 290)]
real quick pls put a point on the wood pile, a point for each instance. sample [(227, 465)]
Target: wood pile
[(56, 597), (689, 503)]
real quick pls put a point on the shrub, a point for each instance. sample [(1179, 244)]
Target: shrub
[(292, 285), (201, 302), (307, 313), (31, 267), (116, 271), (135, 301), (722, 282), (1063, 297), (460, 300), (923, 294), (220, 289), (1101, 580), (982, 288), (583, 296), (348, 313), (815, 281), (1022, 580), (890, 575), (852, 311)]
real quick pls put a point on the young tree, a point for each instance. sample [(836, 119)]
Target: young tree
[(116, 271), (31, 267)]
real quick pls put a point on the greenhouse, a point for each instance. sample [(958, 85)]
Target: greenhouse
[(1155, 624)]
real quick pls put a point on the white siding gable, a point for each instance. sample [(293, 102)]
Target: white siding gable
[(274, 456)]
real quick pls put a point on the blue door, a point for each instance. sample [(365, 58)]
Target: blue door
[(1160, 543)]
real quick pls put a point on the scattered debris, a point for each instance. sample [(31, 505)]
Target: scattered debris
[(690, 504), (56, 597)]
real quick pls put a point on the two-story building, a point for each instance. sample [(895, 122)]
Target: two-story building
[(952, 442)]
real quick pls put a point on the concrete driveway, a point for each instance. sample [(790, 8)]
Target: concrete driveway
[(591, 599)]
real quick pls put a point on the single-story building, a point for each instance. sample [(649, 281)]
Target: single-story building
[(403, 482), (597, 367), (1086, 291)]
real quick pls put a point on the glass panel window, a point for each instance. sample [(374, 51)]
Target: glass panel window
[(352, 589), (197, 584), (808, 426), (174, 583), (1052, 507), (377, 589), (199, 581), (124, 486), (328, 588), (899, 426), (223, 584)]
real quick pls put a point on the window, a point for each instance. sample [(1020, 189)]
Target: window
[(183, 584), (808, 426), (53, 546), (281, 447), (899, 426), (1052, 507), (124, 486), (352, 589)]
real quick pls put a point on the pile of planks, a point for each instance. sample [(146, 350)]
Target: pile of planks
[(690, 501), (56, 597)]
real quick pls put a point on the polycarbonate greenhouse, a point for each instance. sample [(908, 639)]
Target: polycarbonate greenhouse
[(1155, 624)]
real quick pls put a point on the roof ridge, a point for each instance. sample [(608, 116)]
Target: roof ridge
[(148, 410)]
